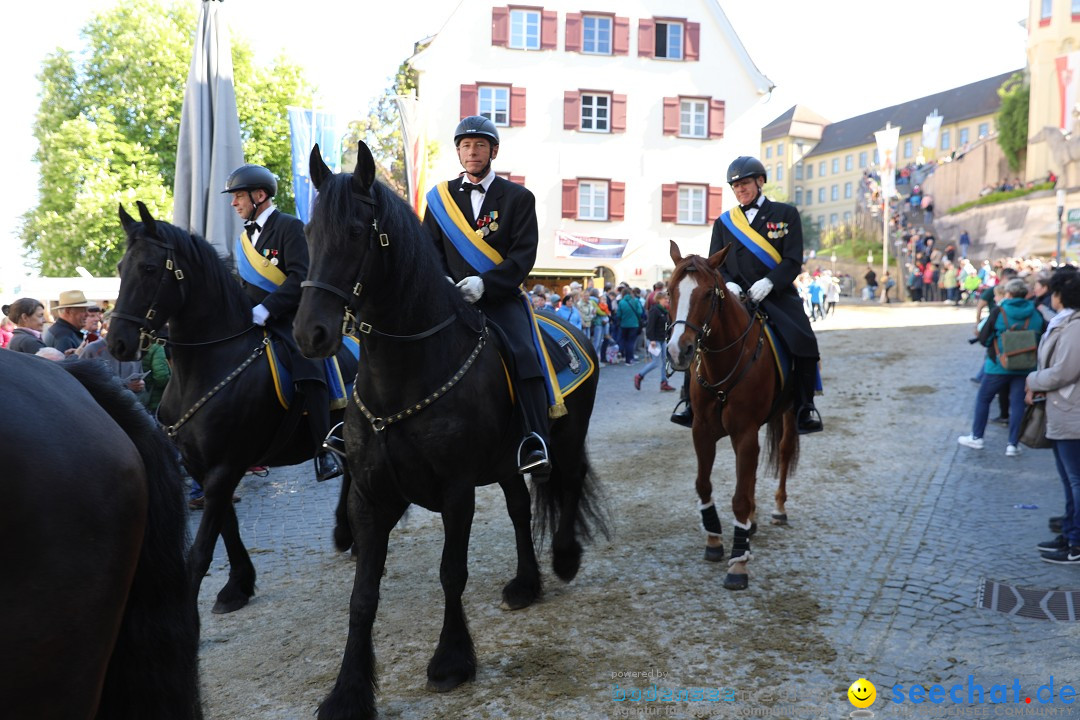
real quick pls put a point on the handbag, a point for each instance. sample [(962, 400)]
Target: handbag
[(1033, 425)]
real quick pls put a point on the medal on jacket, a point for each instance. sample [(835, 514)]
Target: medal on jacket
[(486, 224), (777, 230), (271, 257)]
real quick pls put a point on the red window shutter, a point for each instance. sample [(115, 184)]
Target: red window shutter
[(518, 179), (500, 26), (669, 203), (716, 118), (517, 106), (468, 101), (616, 200), (693, 40), (715, 204), (572, 41), (620, 37), (549, 30), (618, 113), (571, 110), (671, 116), (646, 38), (569, 199)]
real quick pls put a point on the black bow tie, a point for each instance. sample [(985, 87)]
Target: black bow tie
[(469, 187), (252, 228), (747, 208)]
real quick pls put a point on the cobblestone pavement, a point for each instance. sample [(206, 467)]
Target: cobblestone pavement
[(892, 527)]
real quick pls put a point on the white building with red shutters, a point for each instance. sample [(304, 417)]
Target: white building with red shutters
[(621, 117)]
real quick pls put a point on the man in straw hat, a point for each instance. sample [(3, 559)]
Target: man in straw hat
[(66, 333)]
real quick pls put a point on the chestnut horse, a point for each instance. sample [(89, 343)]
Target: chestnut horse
[(735, 388)]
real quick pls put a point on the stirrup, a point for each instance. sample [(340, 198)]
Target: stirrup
[(808, 420), (685, 417), (327, 467), (535, 462), (334, 442)]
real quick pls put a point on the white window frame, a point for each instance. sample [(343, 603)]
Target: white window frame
[(692, 204), (693, 118), (810, 171), (676, 31), (834, 193), (595, 112), (799, 170), (779, 171), (1046, 9), (599, 36), (835, 165), (847, 217), (984, 129), (493, 102), (822, 168), (946, 137), (524, 29), (849, 162), (780, 149), (798, 196), (593, 198), (768, 152), (962, 136), (821, 194), (862, 159), (908, 148), (833, 219), (808, 198), (847, 190)]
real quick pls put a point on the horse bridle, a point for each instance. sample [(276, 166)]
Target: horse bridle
[(146, 323), (350, 324), (702, 333)]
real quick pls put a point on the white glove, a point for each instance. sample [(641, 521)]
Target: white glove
[(449, 279), (471, 288), (760, 289), (734, 289), (259, 315)]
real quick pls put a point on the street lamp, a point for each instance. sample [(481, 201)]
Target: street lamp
[(1060, 212)]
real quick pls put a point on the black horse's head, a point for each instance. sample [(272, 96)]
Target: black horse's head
[(150, 284), (697, 290)]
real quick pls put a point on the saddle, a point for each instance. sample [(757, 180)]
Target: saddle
[(339, 371), (570, 364)]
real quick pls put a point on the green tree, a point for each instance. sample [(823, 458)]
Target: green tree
[(1012, 119), (108, 124)]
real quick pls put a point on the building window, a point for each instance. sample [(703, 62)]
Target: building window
[(820, 222), (768, 170), (834, 192), (592, 200), (693, 118), (1075, 9), (849, 162), (847, 218), (691, 205), (877, 161), (525, 29), (1047, 7), (809, 197), (821, 169), (669, 40), (962, 136), (798, 171), (493, 102), (596, 34), (768, 151), (821, 194), (780, 149), (984, 129), (595, 113), (847, 190), (810, 171), (798, 196), (862, 159), (832, 219), (835, 165), (779, 172), (945, 139), (907, 148)]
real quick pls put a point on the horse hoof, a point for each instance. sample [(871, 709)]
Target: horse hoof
[(714, 554), (779, 518), (753, 529), (736, 582), (445, 684), (518, 595), (223, 607)]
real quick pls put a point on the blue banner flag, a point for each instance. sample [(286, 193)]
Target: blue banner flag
[(308, 127)]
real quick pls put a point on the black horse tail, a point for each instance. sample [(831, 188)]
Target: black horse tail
[(153, 671), (572, 503)]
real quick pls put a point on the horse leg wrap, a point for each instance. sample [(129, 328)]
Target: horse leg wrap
[(710, 521), (740, 550)]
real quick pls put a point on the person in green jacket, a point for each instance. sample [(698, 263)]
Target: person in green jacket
[(630, 313), (155, 363)]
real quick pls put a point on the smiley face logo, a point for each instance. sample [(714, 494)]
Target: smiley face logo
[(862, 693)]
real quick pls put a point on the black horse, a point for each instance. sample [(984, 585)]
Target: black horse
[(220, 405), (98, 616), (429, 355)]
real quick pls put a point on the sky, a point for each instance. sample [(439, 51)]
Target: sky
[(839, 57)]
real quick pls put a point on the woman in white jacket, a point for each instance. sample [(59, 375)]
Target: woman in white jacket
[(1058, 376)]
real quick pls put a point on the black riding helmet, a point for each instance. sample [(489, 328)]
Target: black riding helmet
[(745, 166), (251, 177), (476, 126)]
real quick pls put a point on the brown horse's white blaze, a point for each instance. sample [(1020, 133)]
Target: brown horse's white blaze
[(734, 390)]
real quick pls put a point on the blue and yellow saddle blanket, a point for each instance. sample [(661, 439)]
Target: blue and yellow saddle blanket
[(483, 257)]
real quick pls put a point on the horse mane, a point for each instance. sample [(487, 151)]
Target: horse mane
[(213, 271), (690, 263)]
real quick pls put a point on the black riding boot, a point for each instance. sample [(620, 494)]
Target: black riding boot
[(807, 418), (318, 408), (685, 416), (532, 454)]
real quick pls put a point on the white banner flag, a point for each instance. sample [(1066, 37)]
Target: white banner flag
[(930, 130), (887, 141)]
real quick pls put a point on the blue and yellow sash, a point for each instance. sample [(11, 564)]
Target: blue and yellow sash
[(256, 269), (735, 221), (481, 256)]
